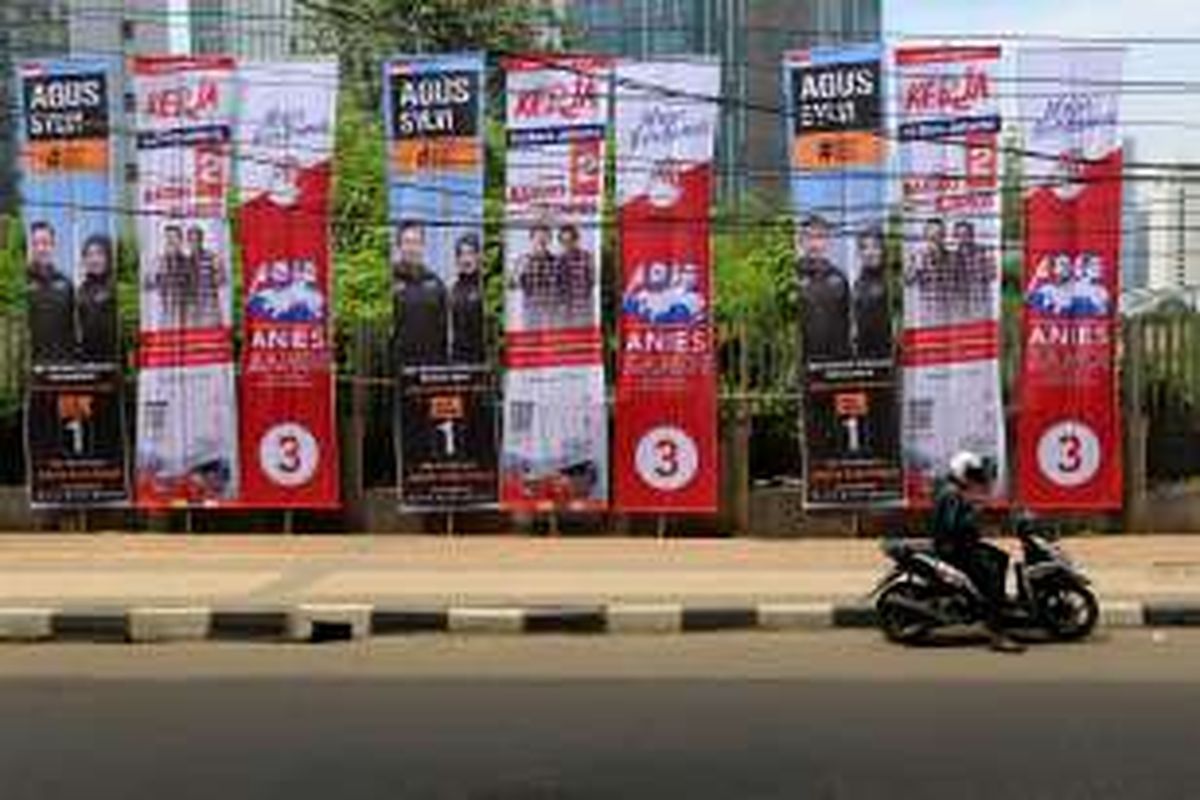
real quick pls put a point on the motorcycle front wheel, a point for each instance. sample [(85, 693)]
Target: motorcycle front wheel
[(899, 622), (1067, 610)]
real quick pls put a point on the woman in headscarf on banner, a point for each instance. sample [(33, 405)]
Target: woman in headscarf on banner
[(96, 301)]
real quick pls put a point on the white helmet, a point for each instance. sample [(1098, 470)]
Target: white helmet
[(967, 467)]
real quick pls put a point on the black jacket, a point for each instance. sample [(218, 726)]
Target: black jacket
[(872, 316), (955, 523), (420, 308), (51, 318), (825, 309), (466, 321), (97, 316)]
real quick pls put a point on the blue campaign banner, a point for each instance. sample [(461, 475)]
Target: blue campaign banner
[(838, 155), (74, 421), (446, 399)]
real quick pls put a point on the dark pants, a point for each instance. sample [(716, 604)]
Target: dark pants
[(987, 566)]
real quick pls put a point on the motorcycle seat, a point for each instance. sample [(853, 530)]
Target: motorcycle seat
[(906, 548)]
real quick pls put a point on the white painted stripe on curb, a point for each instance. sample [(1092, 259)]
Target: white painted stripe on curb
[(644, 618), (486, 620), (1122, 614), (302, 617), (795, 616), (26, 624), (168, 624)]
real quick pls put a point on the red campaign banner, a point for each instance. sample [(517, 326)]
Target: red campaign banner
[(1069, 425), (1069, 428), (289, 448), (666, 389)]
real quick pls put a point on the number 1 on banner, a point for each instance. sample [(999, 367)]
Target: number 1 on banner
[(447, 430)]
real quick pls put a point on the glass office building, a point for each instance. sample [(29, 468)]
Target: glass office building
[(749, 37)]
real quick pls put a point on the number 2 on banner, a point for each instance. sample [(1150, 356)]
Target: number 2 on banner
[(288, 454)]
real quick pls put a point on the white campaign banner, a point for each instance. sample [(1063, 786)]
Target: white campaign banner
[(949, 128), (555, 451), (186, 415)]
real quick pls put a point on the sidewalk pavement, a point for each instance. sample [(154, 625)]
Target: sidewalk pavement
[(282, 585)]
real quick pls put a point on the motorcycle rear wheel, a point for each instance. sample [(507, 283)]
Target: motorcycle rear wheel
[(1067, 610), (899, 623)]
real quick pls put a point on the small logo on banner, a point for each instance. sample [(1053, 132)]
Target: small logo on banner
[(1069, 453), (667, 458), (288, 454)]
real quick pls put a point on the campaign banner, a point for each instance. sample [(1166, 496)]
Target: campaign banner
[(666, 387), (187, 449), (446, 397), (838, 157), (949, 127), (1069, 426), (284, 150), (555, 450), (75, 427)]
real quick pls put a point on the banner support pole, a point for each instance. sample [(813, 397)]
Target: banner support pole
[(662, 527), (288, 521), (450, 523)]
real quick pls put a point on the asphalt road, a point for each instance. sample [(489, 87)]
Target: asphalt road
[(828, 715)]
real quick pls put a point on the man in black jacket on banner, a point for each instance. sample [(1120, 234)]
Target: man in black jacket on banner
[(51, 300), (420, 301)]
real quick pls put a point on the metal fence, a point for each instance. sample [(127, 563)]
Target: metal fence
[(760, 405)]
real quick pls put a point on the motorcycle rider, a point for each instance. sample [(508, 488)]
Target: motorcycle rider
[(958, 540)]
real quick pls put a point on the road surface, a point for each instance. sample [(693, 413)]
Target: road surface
[(826, 715)]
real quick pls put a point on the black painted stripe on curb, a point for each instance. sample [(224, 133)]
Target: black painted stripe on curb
[(89, 626), (1171, 614), (396, 621), (696, 620), (565, 620), (248, 625), (862, 616)]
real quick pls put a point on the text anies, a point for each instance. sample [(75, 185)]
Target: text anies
[(948, 93), (184, 102), (61, 107), (656, 339), (1092, 334), (433, 104), (575, 97), (830, 98)]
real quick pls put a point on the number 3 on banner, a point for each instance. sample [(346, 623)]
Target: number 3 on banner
[(666, 458), (289, 454), (1068, 453)]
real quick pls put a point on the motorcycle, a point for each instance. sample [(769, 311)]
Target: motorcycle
[(922, 592)]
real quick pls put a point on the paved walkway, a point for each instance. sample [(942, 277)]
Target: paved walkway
[(267, 571)]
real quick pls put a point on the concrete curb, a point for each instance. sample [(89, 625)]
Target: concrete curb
[(315, 622)]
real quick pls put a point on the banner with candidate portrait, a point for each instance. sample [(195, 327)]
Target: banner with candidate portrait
[(284, 152), (555, 448), (1069, 427), (838, 157), (75, 430), (187, 443), (948, 129), (446, 408), (666, 387)]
